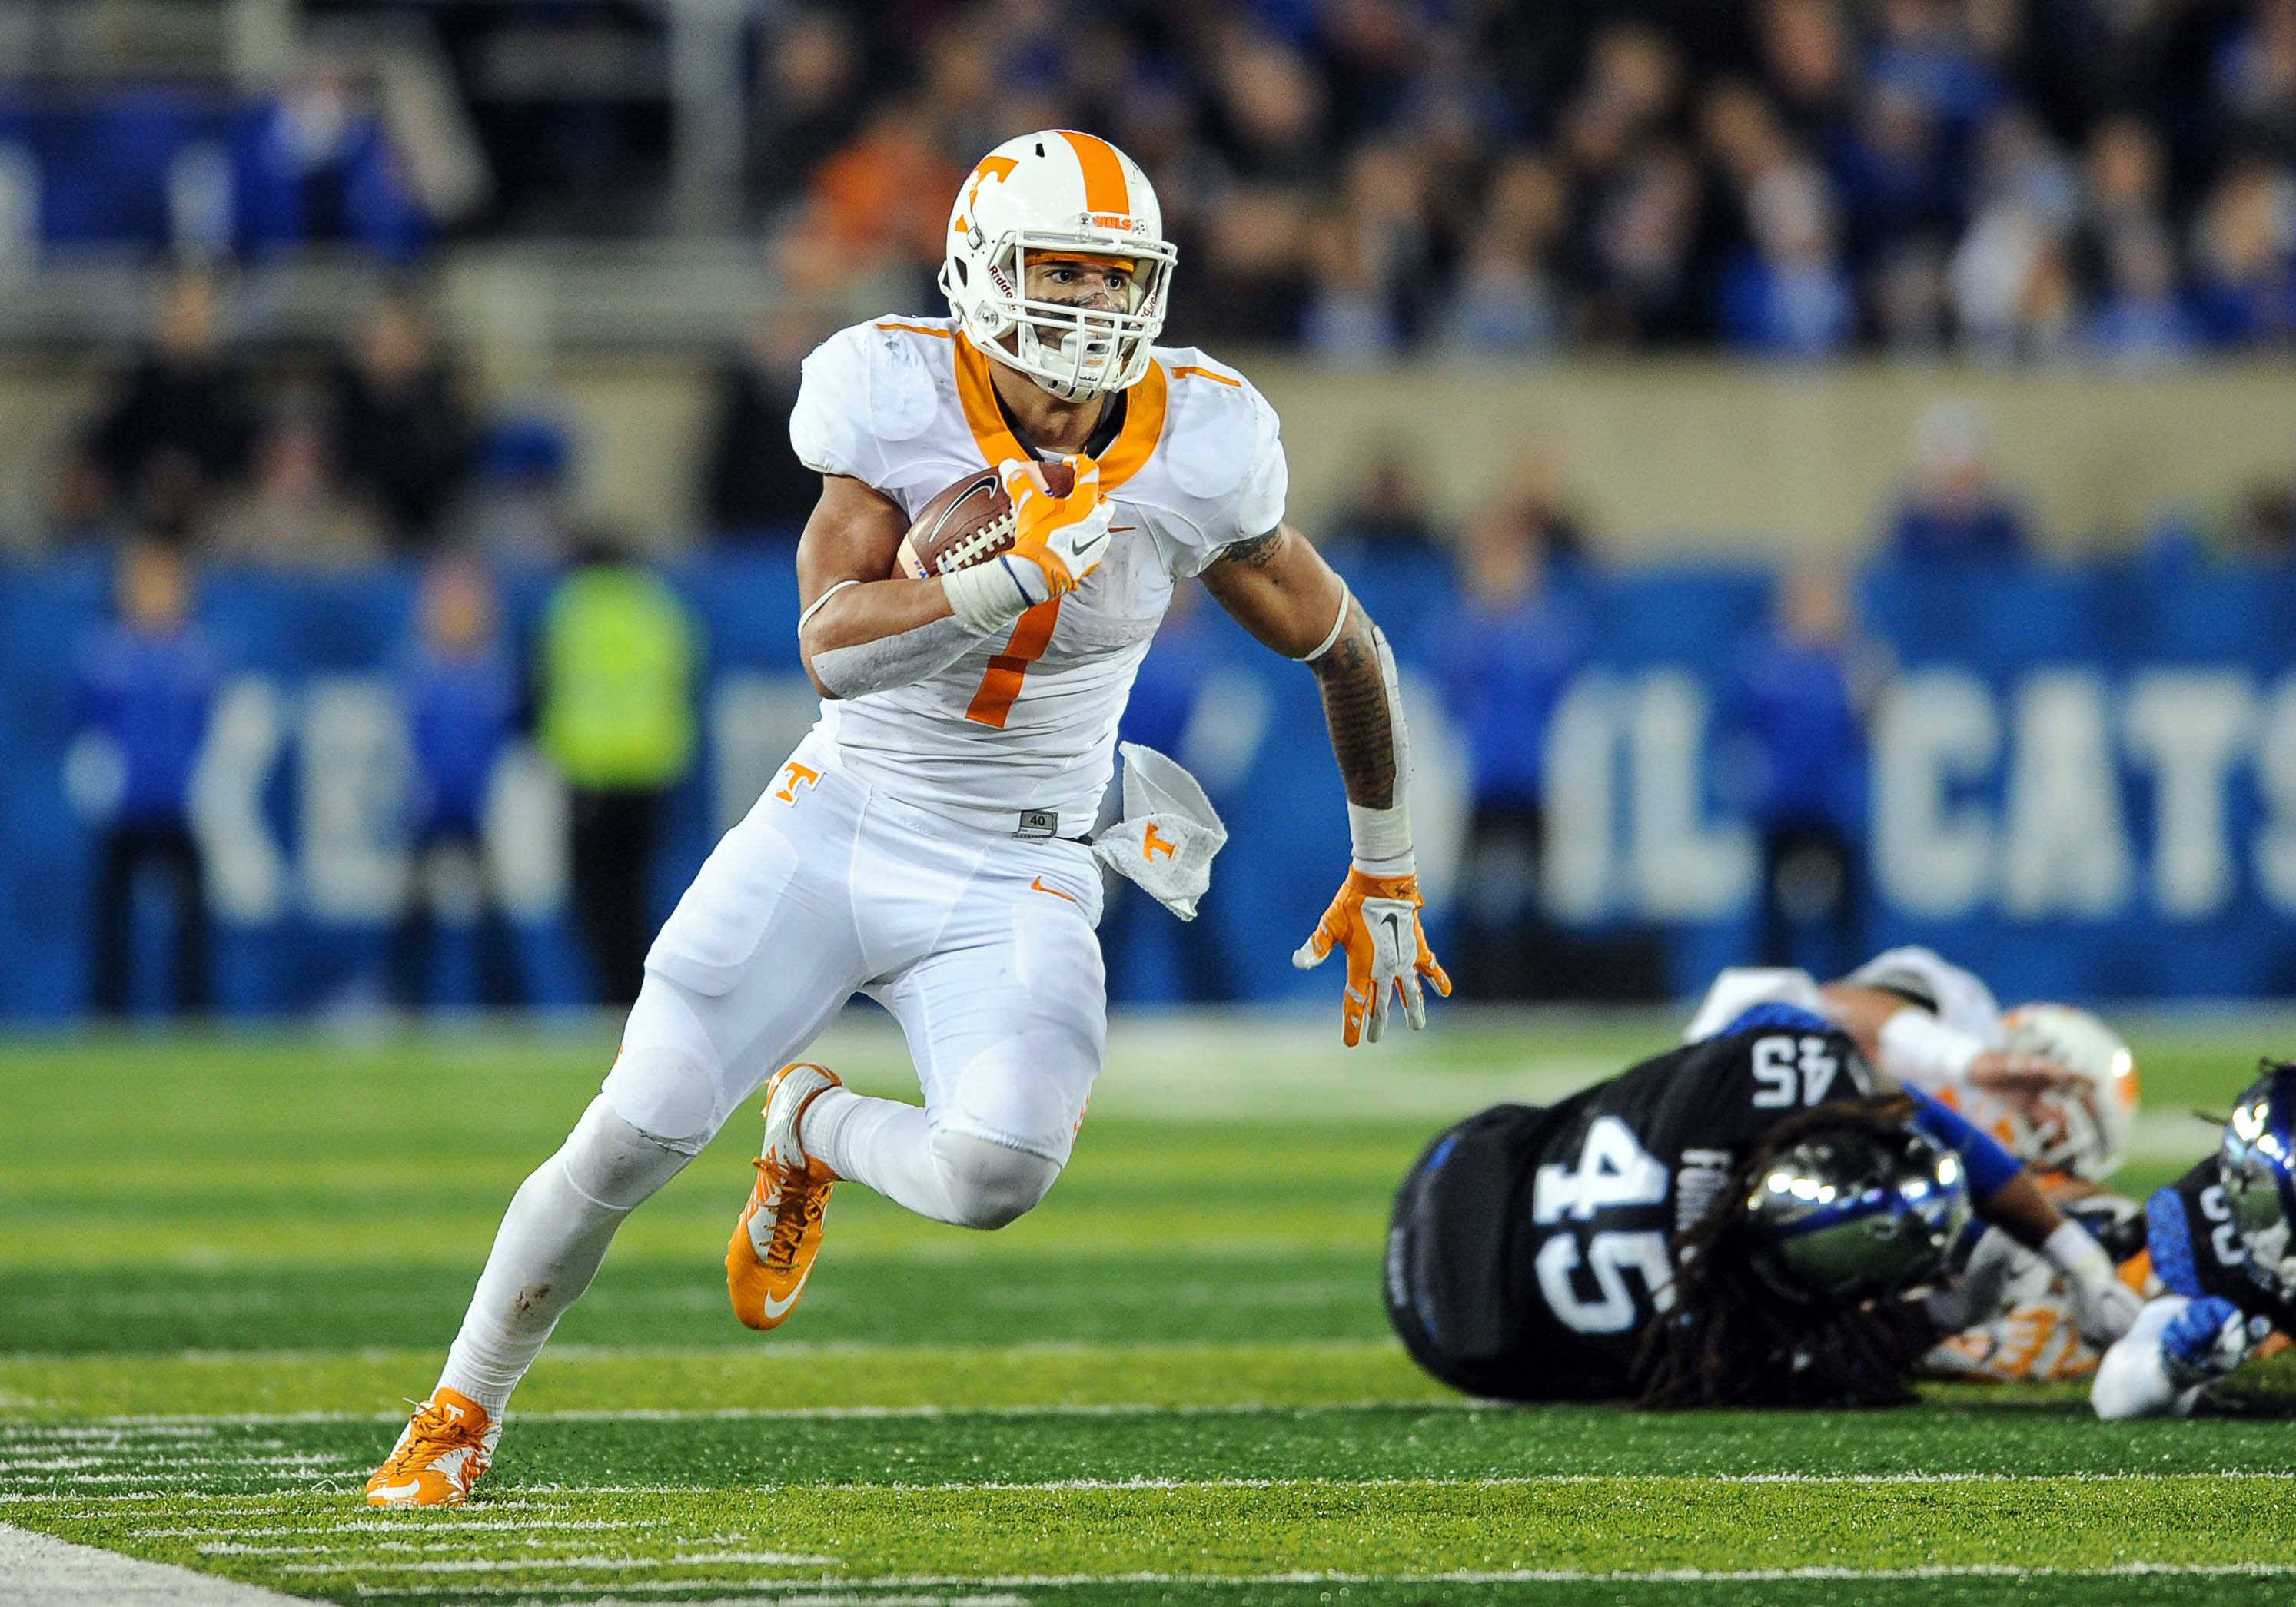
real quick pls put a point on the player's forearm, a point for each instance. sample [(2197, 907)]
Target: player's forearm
[(2103, 1305), (2018, 1208), (1363, 706), (2001, 1188), (1363, 721), (873, 636)]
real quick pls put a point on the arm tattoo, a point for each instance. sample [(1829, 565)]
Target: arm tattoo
[(1356, 708), (1258, 551)]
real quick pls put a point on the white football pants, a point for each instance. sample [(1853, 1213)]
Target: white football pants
[(981, 946)]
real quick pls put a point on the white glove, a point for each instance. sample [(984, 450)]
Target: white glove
[(2103, 1306), (1169, 834), (1987, 1288)]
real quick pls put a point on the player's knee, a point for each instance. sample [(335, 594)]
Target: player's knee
[(665, 1083), (615, 1163), (989, 1184)]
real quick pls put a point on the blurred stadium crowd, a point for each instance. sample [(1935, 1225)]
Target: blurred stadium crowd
[(1792, 178), (2022, 179)]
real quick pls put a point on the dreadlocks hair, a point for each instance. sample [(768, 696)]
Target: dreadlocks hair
[(1730, 1339)]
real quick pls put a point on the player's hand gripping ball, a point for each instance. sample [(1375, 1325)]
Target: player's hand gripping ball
[(970, 522), (1375, 920), (1064, 534)]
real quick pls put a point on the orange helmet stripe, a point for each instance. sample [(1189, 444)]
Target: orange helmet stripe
[(1105, 187)]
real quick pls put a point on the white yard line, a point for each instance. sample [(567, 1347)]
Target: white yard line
[(797, 1593), (708, 1559), (39, 1570), (1054, 1486), (121, 1425)]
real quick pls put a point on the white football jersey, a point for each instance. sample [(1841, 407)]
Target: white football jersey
[(1964, 1002), (1026, 726)]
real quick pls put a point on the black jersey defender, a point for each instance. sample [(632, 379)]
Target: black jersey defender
[(2196, 1251), (1531, 1245)]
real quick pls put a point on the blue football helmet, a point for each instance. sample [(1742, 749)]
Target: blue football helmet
[(2257, 1166)]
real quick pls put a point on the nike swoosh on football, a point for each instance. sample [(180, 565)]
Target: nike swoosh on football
[(777, 1309)]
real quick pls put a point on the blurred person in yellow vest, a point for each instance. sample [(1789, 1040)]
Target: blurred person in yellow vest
[(617, 660)]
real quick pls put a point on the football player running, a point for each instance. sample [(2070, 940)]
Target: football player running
[(2221, 1247), (925, 843), (1759, 1217)]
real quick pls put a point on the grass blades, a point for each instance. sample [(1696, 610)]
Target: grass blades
[(1030, 1539)]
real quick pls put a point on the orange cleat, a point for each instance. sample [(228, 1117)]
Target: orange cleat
[(779, 1230), (442, 1452)]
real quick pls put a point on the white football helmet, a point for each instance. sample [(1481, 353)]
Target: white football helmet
[(1078, 195), (2082, 1129)]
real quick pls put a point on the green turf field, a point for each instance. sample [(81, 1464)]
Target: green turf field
[(224, 1260)]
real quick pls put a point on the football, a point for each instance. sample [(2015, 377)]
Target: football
[(969, 523)]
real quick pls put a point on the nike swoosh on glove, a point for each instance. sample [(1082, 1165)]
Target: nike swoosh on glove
[(1059, 540), (1376, 920), (2203, 1341)]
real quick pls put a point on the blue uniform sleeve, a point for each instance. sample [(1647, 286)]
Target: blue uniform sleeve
[(1990, 1167), (2168, 1235)]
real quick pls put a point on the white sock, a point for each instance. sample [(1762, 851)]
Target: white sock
[(952, 1177), (548, 1249), (881, 1142)]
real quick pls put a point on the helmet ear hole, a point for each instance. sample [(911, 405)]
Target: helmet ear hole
[(963, 273)]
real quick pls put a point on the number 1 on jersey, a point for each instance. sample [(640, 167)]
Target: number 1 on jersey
[(1000, 683)]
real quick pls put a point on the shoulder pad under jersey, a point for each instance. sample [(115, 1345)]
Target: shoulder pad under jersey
[(1217, 425), (871, 383)]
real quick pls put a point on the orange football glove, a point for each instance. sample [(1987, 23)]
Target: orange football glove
[(1376, 920), (1063, 538)]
